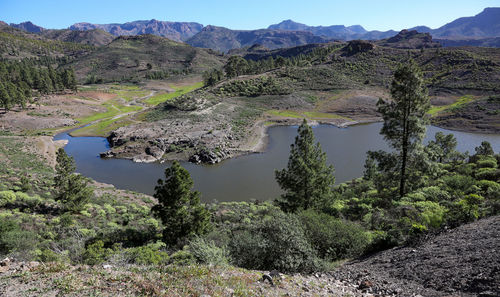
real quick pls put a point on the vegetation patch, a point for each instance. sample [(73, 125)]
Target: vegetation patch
[(179, 91), (457, 104)]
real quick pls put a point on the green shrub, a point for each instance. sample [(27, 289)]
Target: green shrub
[(488, 174), (96, 253), (465, 210), (487, 162), (207, 252), (431, 213), (182, 257), (47, 255), (7, 197), (276, 242), (334, 239), (151, 254)]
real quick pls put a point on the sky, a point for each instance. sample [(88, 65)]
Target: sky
[(241, 14)]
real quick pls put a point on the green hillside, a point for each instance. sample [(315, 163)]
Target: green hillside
[(136, 57)]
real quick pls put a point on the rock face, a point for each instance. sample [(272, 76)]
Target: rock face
[(178, 31)]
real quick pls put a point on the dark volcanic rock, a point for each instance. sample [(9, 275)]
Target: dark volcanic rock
[(460, 262)]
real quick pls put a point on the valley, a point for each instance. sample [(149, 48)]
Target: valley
[(171, 158)]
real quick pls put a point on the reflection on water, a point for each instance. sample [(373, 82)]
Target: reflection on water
[(251, 176)]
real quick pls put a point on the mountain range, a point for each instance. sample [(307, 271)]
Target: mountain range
[(480, 30)]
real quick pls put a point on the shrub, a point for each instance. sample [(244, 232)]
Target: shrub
[(276, 242), (7, 197), (488, 174), (96, 253), (151, 254), (207, 252), (488, 162), (182, 257), (334, 239)]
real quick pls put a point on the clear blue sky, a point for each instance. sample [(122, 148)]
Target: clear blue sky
[(242, 14)]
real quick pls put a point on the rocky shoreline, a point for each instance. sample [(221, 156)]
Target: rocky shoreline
[(199, 147)]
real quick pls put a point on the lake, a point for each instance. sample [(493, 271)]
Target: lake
[(250, 176)]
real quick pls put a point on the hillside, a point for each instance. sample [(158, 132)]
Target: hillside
[(410, 39), (484, 24), (178, 31), (132, 57), (462, 261), (28, 27), (335, 31), (95, 37), (336, 83), (223, 39), (16, 43)]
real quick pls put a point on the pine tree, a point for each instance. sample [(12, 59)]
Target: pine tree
[(178, 207), (307, 180), (404, 116), (72, 188)]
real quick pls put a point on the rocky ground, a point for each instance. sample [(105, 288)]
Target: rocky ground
[(459, 262)]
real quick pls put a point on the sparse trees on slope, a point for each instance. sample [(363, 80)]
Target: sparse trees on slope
[(178, 207), (404, 116), (307, 180)]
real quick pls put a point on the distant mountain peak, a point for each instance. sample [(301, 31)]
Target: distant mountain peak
[(28, 27), (177, 31)]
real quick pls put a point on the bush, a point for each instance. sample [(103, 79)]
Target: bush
[(207, 252), (334, 239), (96, 253), (488, 174), (151, 254), (276, 242), (182, 257), (487, 162), (7, 197)]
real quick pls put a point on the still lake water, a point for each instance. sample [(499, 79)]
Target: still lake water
[(250, 176)]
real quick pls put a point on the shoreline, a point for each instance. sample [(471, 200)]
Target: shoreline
[(259, 141)]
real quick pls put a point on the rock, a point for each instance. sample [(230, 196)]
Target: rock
[(365, 285), (4, 265), (268, 278), (107, 154), (155, 152), (107, 266), (144, 159), (33, 264)]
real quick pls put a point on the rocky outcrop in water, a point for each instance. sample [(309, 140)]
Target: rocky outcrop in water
[(194, 141)]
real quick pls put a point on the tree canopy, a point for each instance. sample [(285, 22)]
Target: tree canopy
[(178, 206), (307, 180), (405, 116)]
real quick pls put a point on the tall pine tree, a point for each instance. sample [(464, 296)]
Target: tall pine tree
[(404, 116), (307, 180)]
